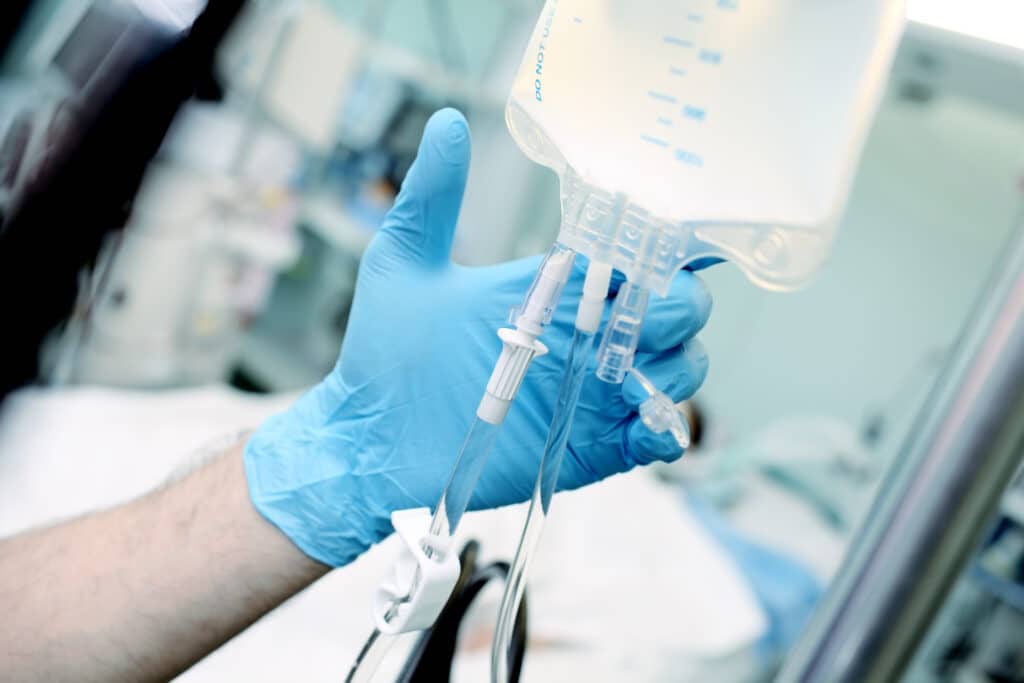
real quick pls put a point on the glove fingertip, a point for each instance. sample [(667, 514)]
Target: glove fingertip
[(447, 134), (421, 224), (704, 263), (644, 446), (696, 356)]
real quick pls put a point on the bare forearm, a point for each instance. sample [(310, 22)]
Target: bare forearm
[(142, 591)]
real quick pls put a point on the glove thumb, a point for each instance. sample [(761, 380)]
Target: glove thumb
[(421, 224)]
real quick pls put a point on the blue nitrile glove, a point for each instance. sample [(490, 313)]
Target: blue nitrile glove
[(380, 433)]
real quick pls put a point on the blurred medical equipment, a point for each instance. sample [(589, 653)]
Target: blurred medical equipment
[(214, 221), (112, 77), (58, 74), (935, 504), (176, 294), (196, 260), (907, 395), (820, 461), (979, 631), (277, 58)]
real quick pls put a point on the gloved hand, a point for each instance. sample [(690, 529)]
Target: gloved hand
[(381, 432)]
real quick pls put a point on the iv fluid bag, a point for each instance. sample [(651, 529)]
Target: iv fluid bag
[(688, 129)]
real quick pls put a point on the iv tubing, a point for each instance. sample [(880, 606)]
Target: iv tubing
[(464, 475), (519, 348), (588, 318), (558, 434), (370, 657)]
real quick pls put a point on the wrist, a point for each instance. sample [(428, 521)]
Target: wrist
[(303, 479), (253, 529)]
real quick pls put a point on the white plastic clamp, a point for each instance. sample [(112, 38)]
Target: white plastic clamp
[(414, 592)]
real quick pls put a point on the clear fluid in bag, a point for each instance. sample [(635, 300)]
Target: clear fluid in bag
[(688, 129)]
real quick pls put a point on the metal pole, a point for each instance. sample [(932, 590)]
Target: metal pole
[(928, 518)]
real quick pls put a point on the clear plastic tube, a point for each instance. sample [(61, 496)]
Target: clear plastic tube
[(551, 462), (565, 412), (370, 657), (615, 356), (465, 473)]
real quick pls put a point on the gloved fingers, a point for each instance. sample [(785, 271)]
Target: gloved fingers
[(642, 446), (421, 224), (677, 317), (706, 262), (618, 279), (677, 373)]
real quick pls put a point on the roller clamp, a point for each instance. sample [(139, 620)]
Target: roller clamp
[(418, 586)]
